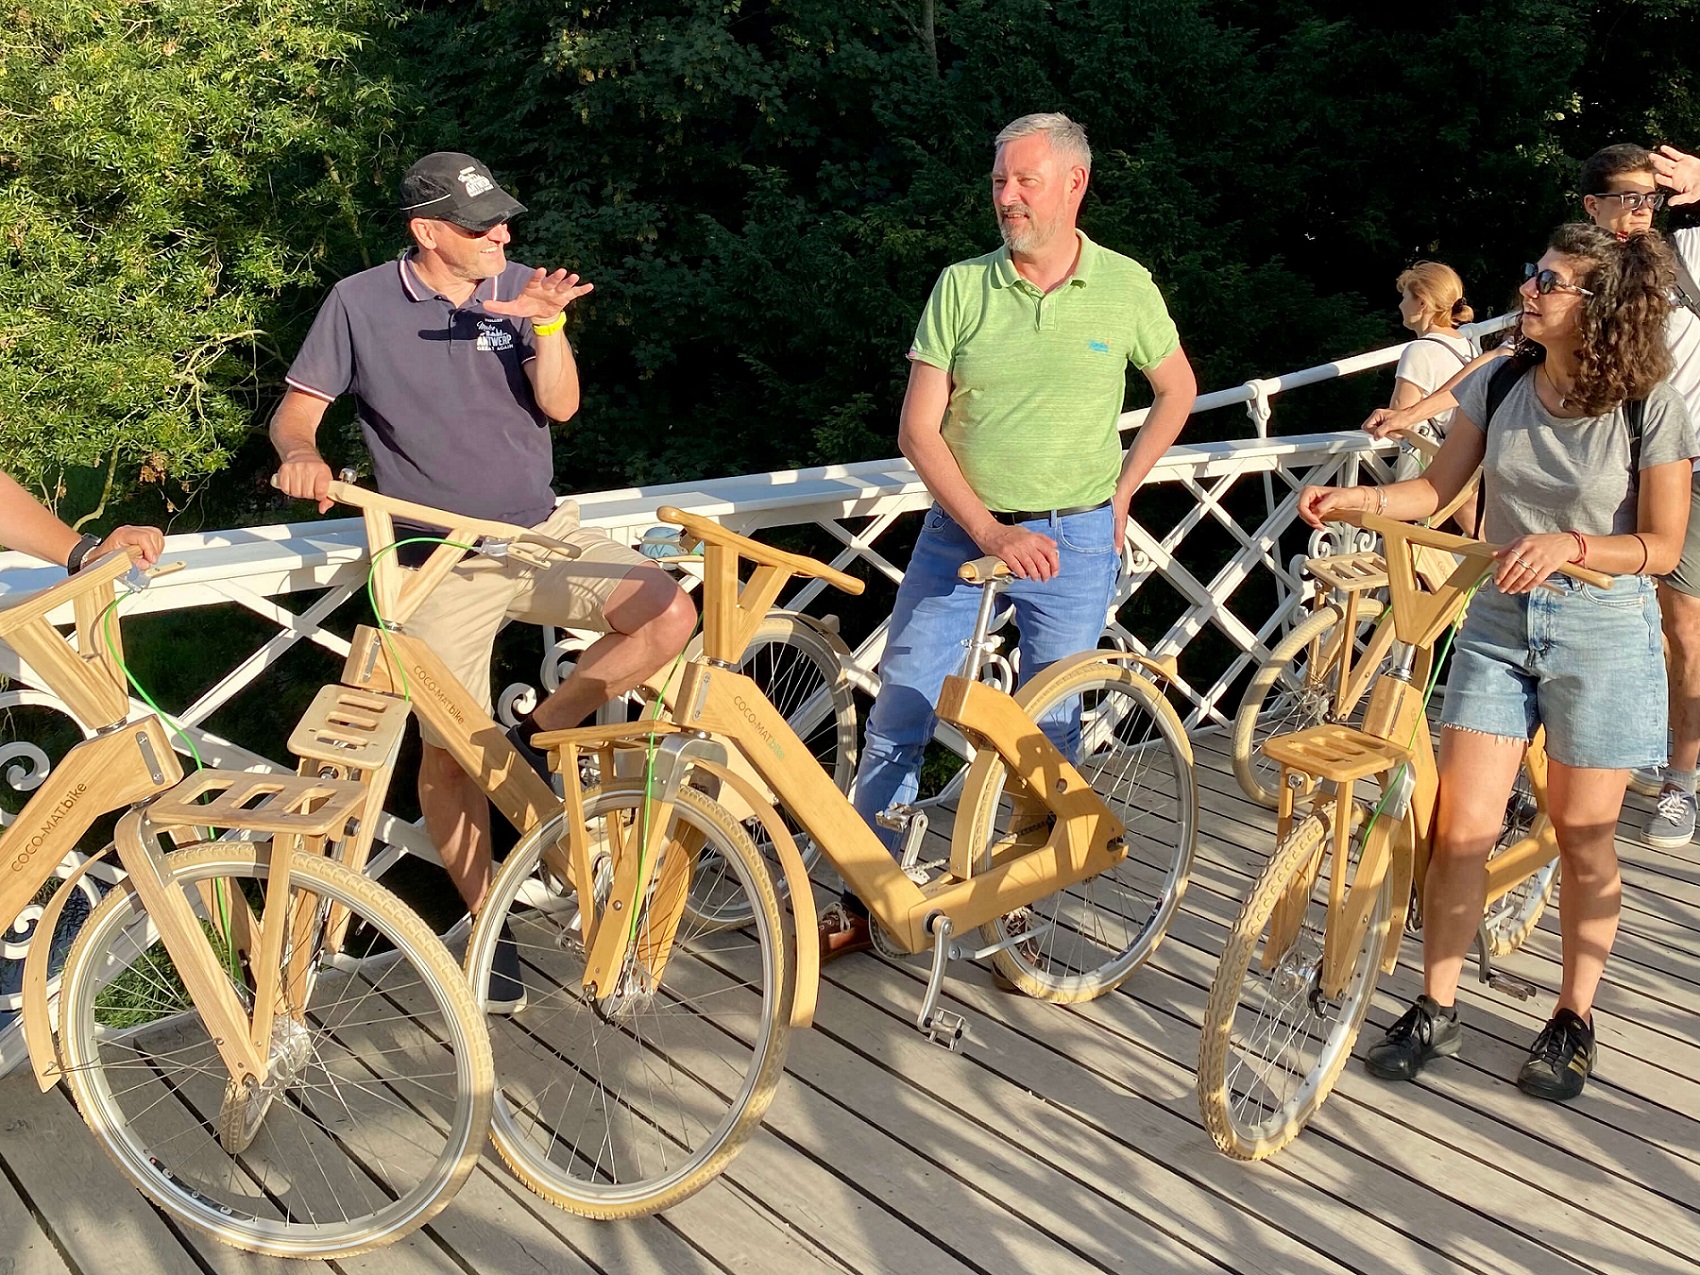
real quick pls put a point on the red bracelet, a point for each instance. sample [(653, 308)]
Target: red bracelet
[(1581, 558)]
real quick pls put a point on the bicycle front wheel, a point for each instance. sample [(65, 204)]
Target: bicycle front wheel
[(624, 1106), (378, 1093), (1273, 1044), (1291, 690), (1123, 736)]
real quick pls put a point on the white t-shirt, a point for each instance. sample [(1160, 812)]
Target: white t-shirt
[(1682, 333), (1430, 362)]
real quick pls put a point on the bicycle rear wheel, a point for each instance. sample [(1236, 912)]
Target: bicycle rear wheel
[(1272, 1046), (378, 1097), (1512, 917), (800, 672), (1082, 941), (624, 1107)]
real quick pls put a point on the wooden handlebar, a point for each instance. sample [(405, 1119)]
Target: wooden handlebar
[(711, 532), (1449, 543), (91, 578), (362, 498)]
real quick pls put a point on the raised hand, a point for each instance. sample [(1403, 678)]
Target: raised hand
[(544, 296), (1678, 171)]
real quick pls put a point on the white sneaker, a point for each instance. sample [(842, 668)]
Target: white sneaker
[(1648, 781)]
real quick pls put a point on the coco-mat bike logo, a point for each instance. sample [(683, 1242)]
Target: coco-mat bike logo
[(750, 717), (430, 684), (55, 817)]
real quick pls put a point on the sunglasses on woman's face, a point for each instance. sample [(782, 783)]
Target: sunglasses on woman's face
[(1548, 282)]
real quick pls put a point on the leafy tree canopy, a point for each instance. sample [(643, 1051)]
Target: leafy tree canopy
[(762, 190)]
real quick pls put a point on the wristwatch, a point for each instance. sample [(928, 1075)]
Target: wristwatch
[(80, 552)]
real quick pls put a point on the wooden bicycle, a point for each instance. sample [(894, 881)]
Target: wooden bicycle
[(1302, 960), (657, 1029), (1315, 675), (271, 1046)]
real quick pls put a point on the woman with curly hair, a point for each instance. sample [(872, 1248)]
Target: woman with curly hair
[(1585, 455)]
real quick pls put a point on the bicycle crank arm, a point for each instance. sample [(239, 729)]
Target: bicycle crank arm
[(941, 1026)]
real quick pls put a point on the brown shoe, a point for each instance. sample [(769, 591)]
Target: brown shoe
[(842, 932)]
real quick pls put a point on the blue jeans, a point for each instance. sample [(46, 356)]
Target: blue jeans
[(1586, 663), (933, 619)]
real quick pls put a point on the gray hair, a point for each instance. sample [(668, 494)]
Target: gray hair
[(1066, 137)]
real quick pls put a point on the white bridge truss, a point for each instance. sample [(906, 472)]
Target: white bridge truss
[(1240, 498)]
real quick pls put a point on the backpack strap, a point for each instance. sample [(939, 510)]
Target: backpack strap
[(1500, 383), (1463, 359), (1687, 291), (1635, 413)]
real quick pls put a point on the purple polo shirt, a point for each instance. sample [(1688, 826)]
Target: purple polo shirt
[(444, 403)]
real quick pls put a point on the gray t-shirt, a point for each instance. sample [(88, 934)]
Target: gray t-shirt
[(1546, 473)]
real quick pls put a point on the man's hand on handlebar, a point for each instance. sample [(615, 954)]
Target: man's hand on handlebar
[(148, 543), (1029, 554), (305, 476)]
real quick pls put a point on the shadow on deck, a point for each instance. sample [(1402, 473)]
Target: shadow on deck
[(1068, 1139)]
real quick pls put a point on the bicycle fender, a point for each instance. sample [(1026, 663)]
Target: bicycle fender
[(1164, 666), (800, 892), (39, 1037), (1400, 873)]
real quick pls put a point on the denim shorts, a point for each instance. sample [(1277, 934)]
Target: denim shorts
[(1586, 663)]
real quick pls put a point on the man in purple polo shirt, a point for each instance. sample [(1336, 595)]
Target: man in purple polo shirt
[(457, 362)]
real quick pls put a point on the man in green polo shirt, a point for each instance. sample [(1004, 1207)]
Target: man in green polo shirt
[(1017, 376)]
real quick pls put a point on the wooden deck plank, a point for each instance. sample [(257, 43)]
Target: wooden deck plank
[(25, 1248)]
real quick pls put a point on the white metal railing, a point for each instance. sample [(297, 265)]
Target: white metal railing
[(855, 505)]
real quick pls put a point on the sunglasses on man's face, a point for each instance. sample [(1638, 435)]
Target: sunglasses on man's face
[(1634, 200), (1548, 281)]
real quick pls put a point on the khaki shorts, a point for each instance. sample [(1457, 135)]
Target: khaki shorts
[(461, 618), (1686, 577)]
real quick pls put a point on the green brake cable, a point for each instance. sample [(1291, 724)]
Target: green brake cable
[(177, 730)]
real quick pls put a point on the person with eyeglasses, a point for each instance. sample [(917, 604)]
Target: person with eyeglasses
[(1585, 452), (459, 364), (1622, 186)]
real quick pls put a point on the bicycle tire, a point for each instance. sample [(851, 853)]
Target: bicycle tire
[(800, 670), (1087, 939), (1302, 851), (118, 969), (546, 1053)]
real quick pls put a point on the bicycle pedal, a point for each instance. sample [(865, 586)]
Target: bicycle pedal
[(1512, 986), (947, 1028)]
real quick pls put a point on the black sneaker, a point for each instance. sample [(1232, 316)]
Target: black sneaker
[(538, 761), (1424, 1031), (505, 992), (1561, 1059)]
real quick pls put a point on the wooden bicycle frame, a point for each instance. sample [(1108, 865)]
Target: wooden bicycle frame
[(1394, 746), (125, 763), (717, 701)]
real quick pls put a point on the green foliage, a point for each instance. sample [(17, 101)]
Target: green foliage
[(762, 191), (173, 174)]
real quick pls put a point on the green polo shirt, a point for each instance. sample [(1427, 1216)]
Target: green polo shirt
[(1037, 380)]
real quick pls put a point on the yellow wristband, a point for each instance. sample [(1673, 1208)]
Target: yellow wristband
[(551, 327)]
